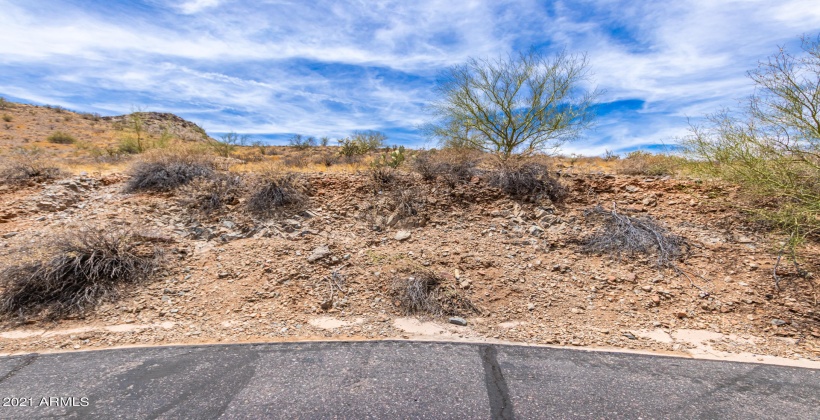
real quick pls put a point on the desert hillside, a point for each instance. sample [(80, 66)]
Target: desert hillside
[(342, 242), (30, 126)]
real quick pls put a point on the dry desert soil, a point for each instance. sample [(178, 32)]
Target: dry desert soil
[(325, 273)]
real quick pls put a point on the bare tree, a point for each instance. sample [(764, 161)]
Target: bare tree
[(515, 106), (301, 142)]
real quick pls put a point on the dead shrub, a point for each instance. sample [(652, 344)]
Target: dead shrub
[(453, 170), (277, 194), (621, 234), (166, 172), (424, 292), (27, 167), (395, 200), (84, 268), (382, 177), (297, 160), (209, 195), (647, 164), (326, 159), (528, 181)]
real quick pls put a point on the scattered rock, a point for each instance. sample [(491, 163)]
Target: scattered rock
[(402, 235), (319, 253), (778, 322), (458, 321)]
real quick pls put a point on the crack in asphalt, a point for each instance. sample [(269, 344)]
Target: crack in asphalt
[(26, 361), (497, 389)]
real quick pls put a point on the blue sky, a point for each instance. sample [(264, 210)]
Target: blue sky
[(326, 68)]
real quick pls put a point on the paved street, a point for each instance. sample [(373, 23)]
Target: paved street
[(397, 379)]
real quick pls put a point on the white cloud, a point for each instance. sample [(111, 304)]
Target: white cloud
[(264, 61), (195, 6)]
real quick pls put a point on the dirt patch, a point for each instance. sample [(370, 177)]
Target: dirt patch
[(234, 278)]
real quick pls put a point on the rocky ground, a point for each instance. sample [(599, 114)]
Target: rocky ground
[(325, 273)]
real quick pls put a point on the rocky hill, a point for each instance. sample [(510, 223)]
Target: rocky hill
[(159, 123), (29, 126)]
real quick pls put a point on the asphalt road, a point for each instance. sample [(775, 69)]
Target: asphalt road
[(397, 379)]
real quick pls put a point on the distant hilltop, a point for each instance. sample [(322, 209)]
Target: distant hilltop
[(157, 123), (31, 124)]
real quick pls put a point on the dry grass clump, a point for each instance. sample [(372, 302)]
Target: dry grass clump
[(648, 164), (452, 168), (168, 171), (210, 195), (25, 167), (382, 177), (61, 137), (326, 159), (395, 201), (621, 234), (424, 292), (529, 181), (84, 269), (296, 160), (277, 194)]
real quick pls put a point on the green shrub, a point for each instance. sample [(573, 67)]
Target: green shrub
[(361, 142), (129, 146), (392, 159), (350, 147), (7, 118), (60, 137), (772, 147)]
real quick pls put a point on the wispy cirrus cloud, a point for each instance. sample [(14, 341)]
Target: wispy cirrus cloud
[(273, 68)]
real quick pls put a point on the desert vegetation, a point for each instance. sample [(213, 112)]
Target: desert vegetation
[(624, 236), (489, 224), (60, 137), (425, 292), (164, 172), (512, 107), (82, 269), (772, 146), (23, 167), (278, 193)]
